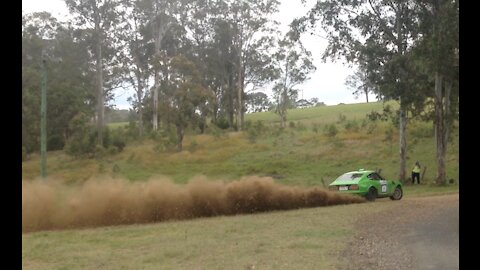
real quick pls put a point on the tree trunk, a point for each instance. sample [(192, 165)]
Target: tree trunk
[(403, 112), (239, 94), (140, 108), (366, 94), (441, 125), (403, 142), (230, 89), (179, 137), (242, 101), (158, 33), (100, 94), (283, 106), (155, 101)]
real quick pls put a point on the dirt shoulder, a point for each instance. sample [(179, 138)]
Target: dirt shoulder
[(417, 233)]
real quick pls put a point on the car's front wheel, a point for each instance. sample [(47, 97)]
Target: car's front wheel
[(397, 194), (372, 194)]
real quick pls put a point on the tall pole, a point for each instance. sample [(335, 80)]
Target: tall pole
[(43, 121)]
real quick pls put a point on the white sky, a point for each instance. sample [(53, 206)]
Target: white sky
[(327, 83)]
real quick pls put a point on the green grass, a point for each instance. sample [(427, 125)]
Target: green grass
[(323, 114), (117, 125), (301, 239), (428, 190)]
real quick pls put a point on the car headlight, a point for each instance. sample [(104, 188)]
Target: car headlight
[(353, 187)]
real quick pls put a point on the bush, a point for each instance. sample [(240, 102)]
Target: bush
[(255, 129), (252, 135), (112, 150), (117, 139), (372, 127), (192, 147), (81, 145), (82, 140), (301, 126), (351, 125), (331, 130), (55, 142), (166, 140), (119, 143), (341, 118), (100, 151), (216, 131), (222, 123)]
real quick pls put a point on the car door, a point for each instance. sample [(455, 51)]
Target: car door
[(381, 184), (390, 185)]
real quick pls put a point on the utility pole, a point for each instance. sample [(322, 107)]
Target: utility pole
[(43, 121)]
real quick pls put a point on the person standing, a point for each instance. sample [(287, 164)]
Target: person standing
[(416, 173)]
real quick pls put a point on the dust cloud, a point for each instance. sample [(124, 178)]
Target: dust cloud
[(52, 205)]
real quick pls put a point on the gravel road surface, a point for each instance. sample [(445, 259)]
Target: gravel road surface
[(417, 233)]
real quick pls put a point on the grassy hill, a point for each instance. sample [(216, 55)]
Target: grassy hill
[(308, 150)]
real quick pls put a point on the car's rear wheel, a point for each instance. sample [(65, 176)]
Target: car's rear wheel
[(397, 194), (372, 194)]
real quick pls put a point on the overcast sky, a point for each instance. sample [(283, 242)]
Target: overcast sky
[(327, 83)]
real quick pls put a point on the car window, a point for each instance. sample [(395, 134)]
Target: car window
[(350, 176), (374, 176)]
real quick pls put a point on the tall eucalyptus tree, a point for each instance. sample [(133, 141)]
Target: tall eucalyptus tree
[(379, 34), (101, 18), (254, 32), (438, 52), (293, 63)]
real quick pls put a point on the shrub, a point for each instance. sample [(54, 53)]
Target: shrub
[(100, 151), (192, 147), (222, 123), (301, 126), (371, 128), (341, 118), (331, 130), (82, 140), (112, 150), (351, 125), (55, 142), (117, 139), (166, 140), (119, 143), (216, 131)]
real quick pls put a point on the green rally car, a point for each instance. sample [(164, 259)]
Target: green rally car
[(368, 184)]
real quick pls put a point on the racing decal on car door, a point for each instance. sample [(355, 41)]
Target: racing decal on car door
[(383, 185)]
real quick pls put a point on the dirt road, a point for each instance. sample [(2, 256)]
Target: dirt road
[(418, 233)]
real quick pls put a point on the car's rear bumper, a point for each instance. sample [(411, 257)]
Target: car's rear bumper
[(355, 192)]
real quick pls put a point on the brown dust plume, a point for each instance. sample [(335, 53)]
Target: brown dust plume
[(50, 205)]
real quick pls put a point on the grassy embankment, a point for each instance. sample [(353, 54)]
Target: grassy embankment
[(302, 154)]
